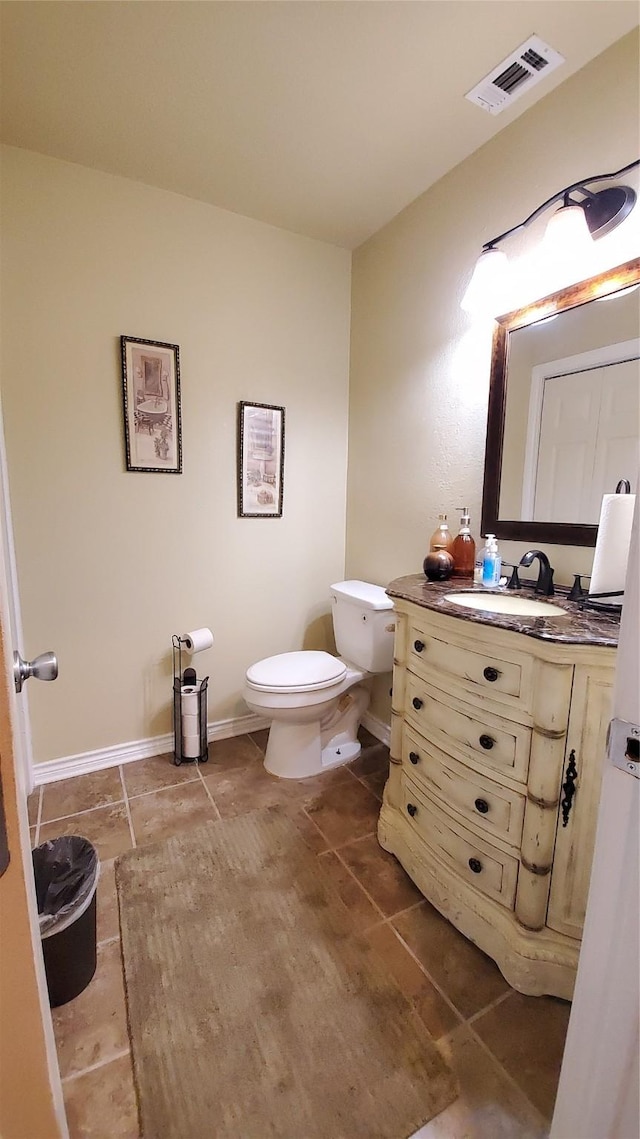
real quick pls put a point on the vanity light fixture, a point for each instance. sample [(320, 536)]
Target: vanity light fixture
[(569, 232)]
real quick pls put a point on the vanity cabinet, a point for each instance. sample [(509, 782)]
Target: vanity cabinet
[(490, 728)]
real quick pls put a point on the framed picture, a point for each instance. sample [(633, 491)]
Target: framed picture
[(260, 460), (151, 396)]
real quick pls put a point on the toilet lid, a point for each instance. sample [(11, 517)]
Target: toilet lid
[(296, 672)]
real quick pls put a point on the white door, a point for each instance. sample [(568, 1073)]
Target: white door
[(598, 1095), (589, 440)]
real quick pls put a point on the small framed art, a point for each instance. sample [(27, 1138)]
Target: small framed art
[(151, 402), (260, 460)]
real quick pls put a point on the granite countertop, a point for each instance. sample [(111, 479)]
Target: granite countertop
[(580, 627)]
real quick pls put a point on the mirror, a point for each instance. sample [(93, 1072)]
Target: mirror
[(563, 414)]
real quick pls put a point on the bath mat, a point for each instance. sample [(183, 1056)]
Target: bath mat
[(254, 1009)]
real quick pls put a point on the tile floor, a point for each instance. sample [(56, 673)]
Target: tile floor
[(506, 1048)]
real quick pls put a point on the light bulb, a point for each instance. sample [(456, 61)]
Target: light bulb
[(567, 234), (487, 290)]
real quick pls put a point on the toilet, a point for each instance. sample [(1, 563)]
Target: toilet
[(316, 701)]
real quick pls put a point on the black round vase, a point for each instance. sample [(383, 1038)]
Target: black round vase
[(438, 565)]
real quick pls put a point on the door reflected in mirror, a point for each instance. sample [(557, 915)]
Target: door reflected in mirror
[(564, 410)]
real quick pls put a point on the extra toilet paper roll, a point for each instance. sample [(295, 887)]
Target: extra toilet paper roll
[(612, 546), (189, 695), (190, 746), (190, 724), (198, 640)]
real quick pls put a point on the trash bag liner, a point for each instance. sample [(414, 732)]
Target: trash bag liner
[(66, 872)]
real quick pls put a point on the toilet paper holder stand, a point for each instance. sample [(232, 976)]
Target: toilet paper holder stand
[(187, 677)]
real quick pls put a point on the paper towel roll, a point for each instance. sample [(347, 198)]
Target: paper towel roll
[(197, 640), (189, 699), (190, 746), (612, 546)]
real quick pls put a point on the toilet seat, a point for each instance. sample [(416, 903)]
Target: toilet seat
[(306, 671)]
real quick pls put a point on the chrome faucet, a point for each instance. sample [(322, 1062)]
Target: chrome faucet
[(544, 583)]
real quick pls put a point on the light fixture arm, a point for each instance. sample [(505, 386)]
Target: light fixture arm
[(561, 194)]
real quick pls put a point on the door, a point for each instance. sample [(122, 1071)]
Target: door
[(598, 1096)]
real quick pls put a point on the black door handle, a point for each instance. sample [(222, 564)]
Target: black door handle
[(414, 757), (418, 646), (486, 742), (412, 809), (475, 865), (490, 673), (482, 806), (417, 703)]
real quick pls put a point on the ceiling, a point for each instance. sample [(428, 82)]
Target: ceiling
[(324, 117)]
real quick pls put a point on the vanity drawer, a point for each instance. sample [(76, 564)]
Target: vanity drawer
[(489, 808), (503, 676), (490, 870), (469, 735)]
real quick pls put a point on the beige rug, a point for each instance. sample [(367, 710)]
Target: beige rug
[(254, 1011)]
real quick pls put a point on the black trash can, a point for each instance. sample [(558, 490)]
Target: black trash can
[(66, 874)]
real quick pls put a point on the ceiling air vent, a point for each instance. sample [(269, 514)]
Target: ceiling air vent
[(516, 74)]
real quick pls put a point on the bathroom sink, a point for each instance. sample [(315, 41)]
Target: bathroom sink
[(506, 603)]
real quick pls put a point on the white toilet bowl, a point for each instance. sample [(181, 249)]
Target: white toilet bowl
[(315, 702)]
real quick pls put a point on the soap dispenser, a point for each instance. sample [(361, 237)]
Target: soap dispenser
[(463, 548), (441, 538), (491, 563)]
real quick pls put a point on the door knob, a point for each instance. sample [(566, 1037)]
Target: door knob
[(44, 667)]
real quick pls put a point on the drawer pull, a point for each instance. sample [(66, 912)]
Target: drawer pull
[(482, 806), (412, 809), (486, 742), (414, 757), (419, 646), (475, 865), (417, 703), (491, 674)]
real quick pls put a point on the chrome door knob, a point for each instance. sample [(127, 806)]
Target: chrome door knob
[(44, 667)]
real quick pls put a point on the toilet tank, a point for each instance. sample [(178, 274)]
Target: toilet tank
[(363, 624)]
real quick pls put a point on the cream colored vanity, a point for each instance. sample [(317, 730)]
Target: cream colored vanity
[(497, 747)]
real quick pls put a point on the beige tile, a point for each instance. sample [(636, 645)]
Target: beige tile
[(470, 979), (309, 832), (489, 1106), (381, 875), (437, 1016), (163, 813), (372, 760), (156, 773), (376, 782), (363, 913), (93, 1028), (108, 924), (81, 793), (238, 751), (106, 827), (345, 811), (33, 803), (527, 1035), (101, 1104), (241, 789), (260, 738)]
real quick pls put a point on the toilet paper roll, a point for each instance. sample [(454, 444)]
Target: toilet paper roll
[(189, 699), (190, 746), (190, 724), (612, 546), (197, 640)]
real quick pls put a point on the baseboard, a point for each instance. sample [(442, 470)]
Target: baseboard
[(377, 727), (84, 763)]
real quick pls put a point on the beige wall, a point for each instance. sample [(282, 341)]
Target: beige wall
[(111, 563), (419, 365)]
